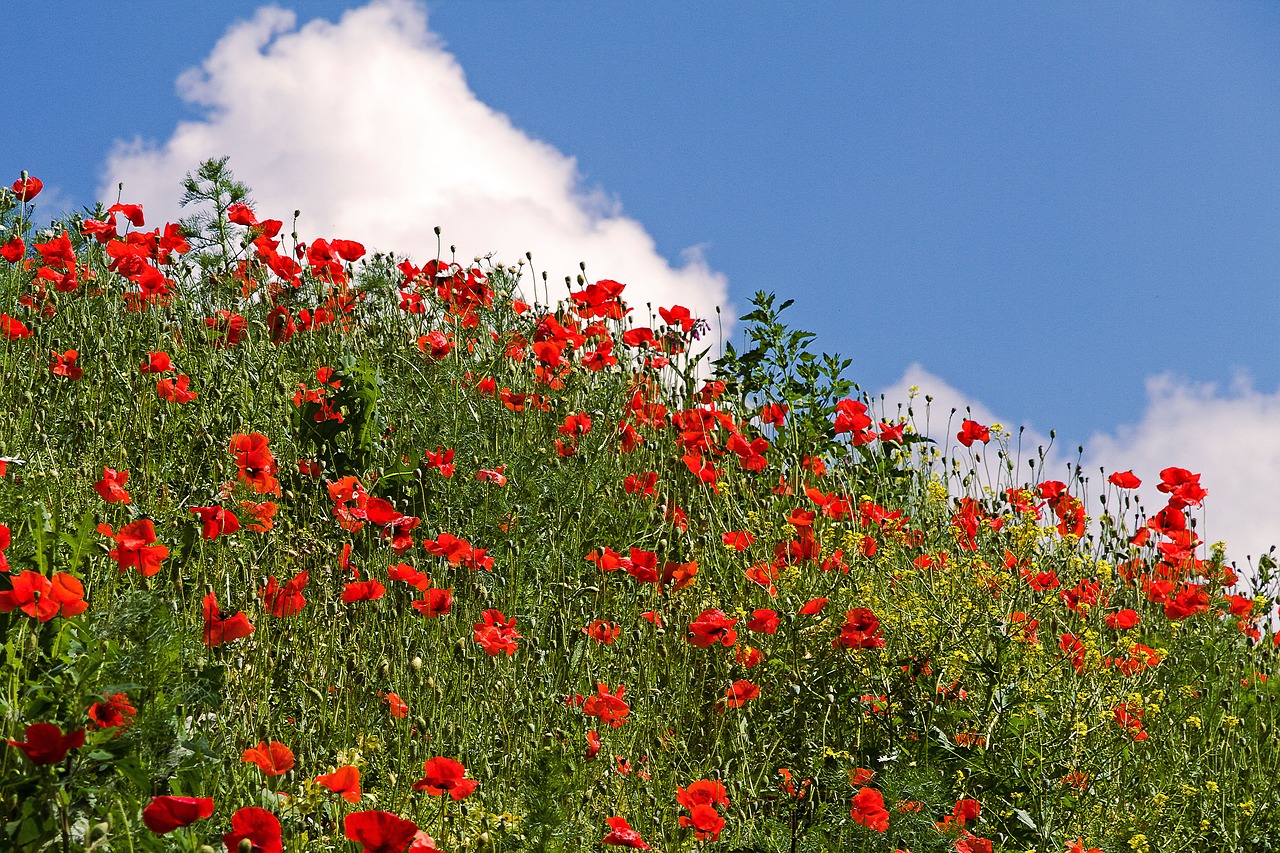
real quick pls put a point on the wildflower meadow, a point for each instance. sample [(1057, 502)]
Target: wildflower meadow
[(308, 548)]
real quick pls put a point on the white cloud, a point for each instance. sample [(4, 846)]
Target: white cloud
[(369, 128), (1230, 437)]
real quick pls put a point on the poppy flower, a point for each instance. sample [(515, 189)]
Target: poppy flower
[(111, 487), (609, 707), (738, 540), (378, 831), (287, 599), (740, 693), (230, 327), (256, 463), (1122, 620), (27, 188), (219, 629), (496, 634), (13, 250), (622, 835), (494, 476), (216, 521), (868, 810), (165, 814), (763, 621), (42, 598), (258, 826), (64, 365), (344, 781), (593, 745), (13, 328), (175, 390), (706, 822), (603, 631), (861, 630), (262, 514), (712, 627), (1124, 480), (397, 705), (394, 526), (445, 776), (272, 757), (441, 460), (972, 844), (851, 416), (136, 547), (117, 712), (971, 431), (46, 744), (813, 607)]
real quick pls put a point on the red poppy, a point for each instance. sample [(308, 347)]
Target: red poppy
[(1182, 487), (445, 776), (972, 844), (593, 745), (861, 630), (231, 328), (39, 597), (136, 547), (496, 634), (740, 693), (441, 460), (12, 328), (622, 835), (813, 607), (712, 627), (111, 486), (394, 526), (27, 188), (256, 463), (1123, 620), (706, 822), (157, 362), (262, 514), (13, 250), (219, 629), (64, 365), (175, 390), (397, 705), (370, 590), (217, 521), (868, 810), (494, 476), (165, 814), (287, 599), (46, 744), (608, 707), (379, 832), (344, 781), (738, 540), (272, 757), (258, 826), (763, 621), (851, 416), (971, 431), (1124, 480), (747, 656), (117, 712), (603, 631)]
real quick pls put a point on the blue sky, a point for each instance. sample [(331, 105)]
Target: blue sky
[(1043, 205)]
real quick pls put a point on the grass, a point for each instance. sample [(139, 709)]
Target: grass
[(970, 651)]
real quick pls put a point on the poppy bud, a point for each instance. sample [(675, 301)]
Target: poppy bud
[(437, 229), (99, 830), (416, 663), (205, 848), (246, 845)]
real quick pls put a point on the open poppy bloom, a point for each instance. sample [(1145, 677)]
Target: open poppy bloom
[(971, 431), (46, 744), (622, 835), (157, 362), (111, 487), (165, 814), (256, 463), (176, 390), (136, 547), (379, 832), (287, 599), (43, 598), (64, 364), (712, 627), (496, 634), (344, 781), (219, 628), (257, 826), (117, 712), (273, 758), (740, 693), (27, 188), (609, 707), (868, 810), (216, 521), (445, 776)]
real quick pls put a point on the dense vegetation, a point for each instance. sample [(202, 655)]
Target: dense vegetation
[(362, 552)]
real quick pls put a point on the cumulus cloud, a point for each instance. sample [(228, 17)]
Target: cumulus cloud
[(369, 128), (1231, 437)]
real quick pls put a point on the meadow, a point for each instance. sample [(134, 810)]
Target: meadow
[(307, 548)]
